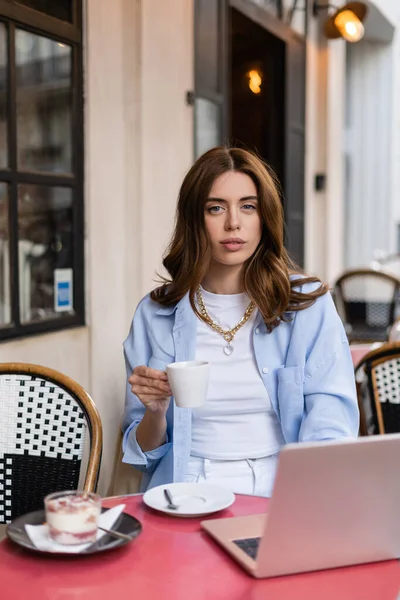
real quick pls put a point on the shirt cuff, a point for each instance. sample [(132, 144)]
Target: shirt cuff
[(134, 455)]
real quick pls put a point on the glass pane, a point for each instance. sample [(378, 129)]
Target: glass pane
[(44, 100), (207, 125), (5, 291), (3, 97), (60, 9), (45, 252), (271, 5)]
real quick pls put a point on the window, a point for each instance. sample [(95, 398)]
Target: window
[(210, 106), (41, 166)]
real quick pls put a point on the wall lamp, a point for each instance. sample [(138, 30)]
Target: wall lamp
[(346, 22)]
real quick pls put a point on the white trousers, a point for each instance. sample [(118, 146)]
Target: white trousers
[(253, 477)]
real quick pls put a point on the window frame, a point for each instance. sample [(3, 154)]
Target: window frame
[(16, 16)]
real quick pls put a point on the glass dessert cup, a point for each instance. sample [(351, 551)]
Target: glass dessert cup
[(72, 516)]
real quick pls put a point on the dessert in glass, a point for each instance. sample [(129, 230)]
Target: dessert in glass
[(72, 517)]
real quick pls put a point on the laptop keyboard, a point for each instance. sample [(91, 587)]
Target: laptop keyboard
[(249, 546)]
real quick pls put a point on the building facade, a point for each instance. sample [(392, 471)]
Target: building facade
[(107, 162)]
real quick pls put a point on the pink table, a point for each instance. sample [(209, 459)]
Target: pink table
[(358, 351), (174, 560)]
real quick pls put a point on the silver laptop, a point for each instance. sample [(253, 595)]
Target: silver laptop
[(334, 504)]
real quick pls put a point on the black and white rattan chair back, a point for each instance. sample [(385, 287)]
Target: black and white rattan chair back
[(378, 380), (44, 420)]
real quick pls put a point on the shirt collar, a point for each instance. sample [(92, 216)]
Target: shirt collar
[(167, 310), (179, 307)]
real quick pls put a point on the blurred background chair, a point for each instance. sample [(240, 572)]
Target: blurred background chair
[(44, 420), (378, 390), (368, 301)]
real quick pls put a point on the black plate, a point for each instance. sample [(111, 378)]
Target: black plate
[(125, 524)]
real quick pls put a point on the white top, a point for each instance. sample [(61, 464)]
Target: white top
[(237, 421)]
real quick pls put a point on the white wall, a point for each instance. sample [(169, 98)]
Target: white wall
[(394, 235), (315, 157), (395, 230), (373, 136), (369, 136), (138, 146), (363, 213), (389, 28), (105, 197), (167, 123), (325, 108), (334, 224), (66, 351)]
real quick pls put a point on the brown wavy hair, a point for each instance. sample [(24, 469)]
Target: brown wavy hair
[(267, 274)]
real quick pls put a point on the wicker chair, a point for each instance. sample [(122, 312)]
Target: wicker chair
[(44, 416), (378, 390), (368, 302)]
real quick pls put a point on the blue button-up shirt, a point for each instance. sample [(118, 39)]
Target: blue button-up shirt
[(305, 365)]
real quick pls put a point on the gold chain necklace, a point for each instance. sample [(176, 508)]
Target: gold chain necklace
[(228, 334)]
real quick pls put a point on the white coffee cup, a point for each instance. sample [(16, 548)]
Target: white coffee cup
[(188, 381)]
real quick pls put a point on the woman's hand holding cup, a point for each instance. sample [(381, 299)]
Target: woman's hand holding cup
[(152, 388)]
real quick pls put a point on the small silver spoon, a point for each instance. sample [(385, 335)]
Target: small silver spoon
[(116, 534), (171, 504)]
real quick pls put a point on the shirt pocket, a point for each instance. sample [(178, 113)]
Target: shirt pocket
[(290, 401)]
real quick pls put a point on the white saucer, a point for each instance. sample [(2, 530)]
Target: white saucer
[(193, 499)]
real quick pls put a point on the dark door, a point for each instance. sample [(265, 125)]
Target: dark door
[(213, 96), (257, 90)]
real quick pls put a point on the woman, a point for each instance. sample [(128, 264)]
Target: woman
[(281, 369)]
